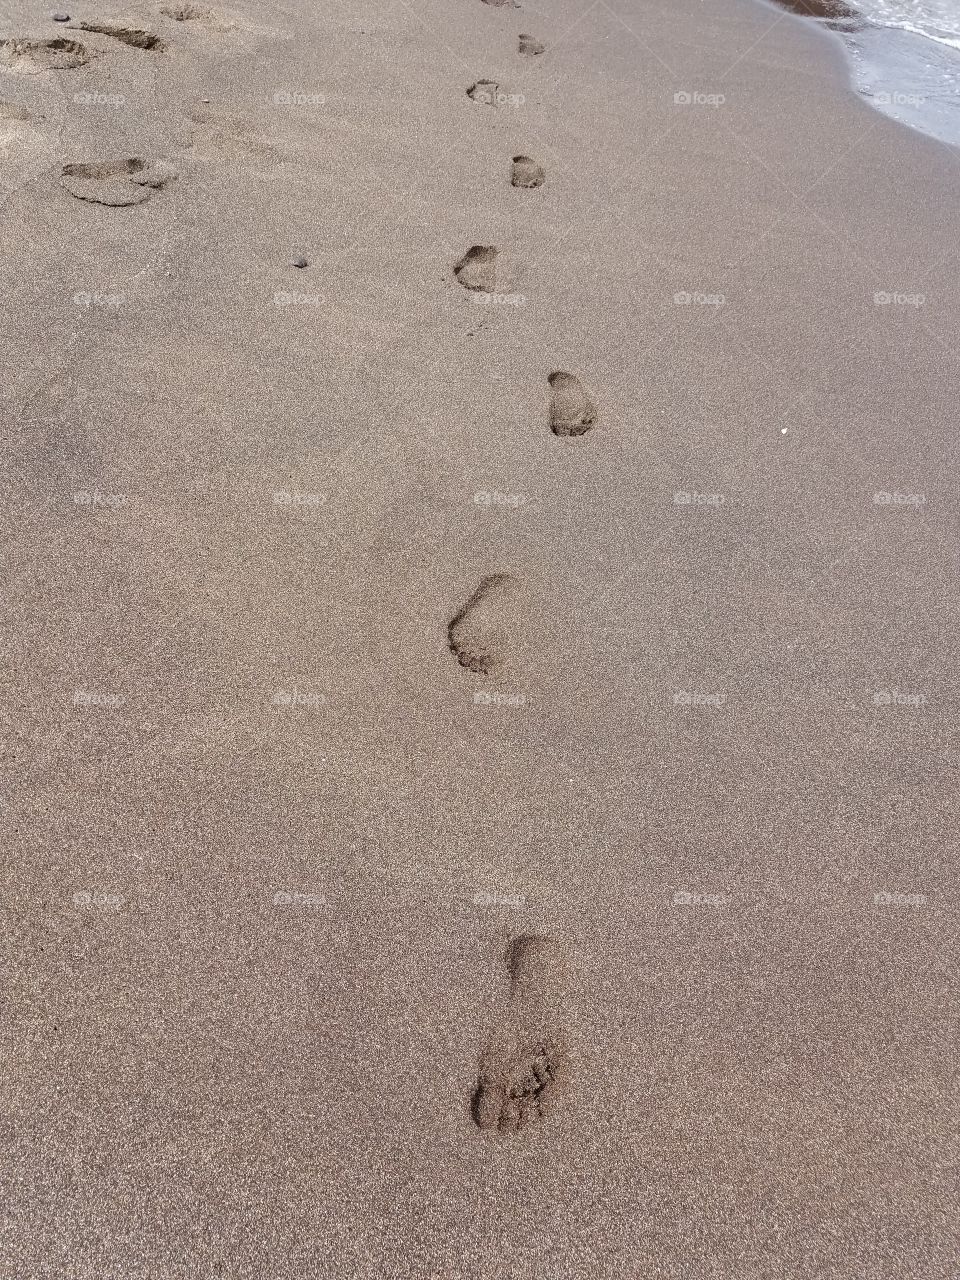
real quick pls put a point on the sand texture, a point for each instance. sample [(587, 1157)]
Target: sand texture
[(478, 756)]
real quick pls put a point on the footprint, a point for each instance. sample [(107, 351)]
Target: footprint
[(135, 36), (484, 91), (116, 182), (529, 47), (13, 111), (477, 268), (186, 13), (503, 4), (524, 1068), (55, 54), (572, 412), (526, 173), (481, 635)]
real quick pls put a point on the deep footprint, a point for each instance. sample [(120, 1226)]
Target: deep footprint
[(485, 92), (482, 633), (115, 182), (526, 173), (523, 1071), (529, 47), (572, 412), (135, 36), (476, 270), (55, 54)]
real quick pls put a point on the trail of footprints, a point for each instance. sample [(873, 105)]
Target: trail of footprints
[(524, 1067), (119, 182)]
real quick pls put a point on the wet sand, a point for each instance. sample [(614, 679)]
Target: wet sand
[(274, 847)]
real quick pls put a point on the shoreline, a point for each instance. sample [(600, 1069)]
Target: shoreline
[(910, 76), (283, 832)]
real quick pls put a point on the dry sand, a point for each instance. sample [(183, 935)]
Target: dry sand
[(269, 847)]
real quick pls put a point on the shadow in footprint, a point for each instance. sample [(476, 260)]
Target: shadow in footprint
[(482, 634), (524, 1069), (476, 270), (572, 411), (137, 37), (526, 173), (115, 182), (55, 54)]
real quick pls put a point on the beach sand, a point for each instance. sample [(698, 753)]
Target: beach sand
[(293, 897)]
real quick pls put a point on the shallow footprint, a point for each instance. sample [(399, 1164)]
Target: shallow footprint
[(186, 13), (484, 91), (115, 182), (526, 173), (529, 47), (524, 1068), (135, 36), (482, 633), (572, 412), (477, 268), (55, 54)]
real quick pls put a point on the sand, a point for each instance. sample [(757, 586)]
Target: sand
[(270, 847)]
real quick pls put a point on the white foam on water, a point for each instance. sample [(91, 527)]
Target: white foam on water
[(936, 19)]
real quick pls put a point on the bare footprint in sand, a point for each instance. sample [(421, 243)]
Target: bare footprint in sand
[(526, 173), (135, 36), (529, 47), (116, 182), (524, 1068), (572, 412), (483, 633), (477, 268), (55, 54), (485, 92), (186, 13)]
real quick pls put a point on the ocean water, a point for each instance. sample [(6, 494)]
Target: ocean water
[(904, 56), (937, 20)]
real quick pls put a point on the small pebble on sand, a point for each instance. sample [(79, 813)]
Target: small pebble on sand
[(300, 261)]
